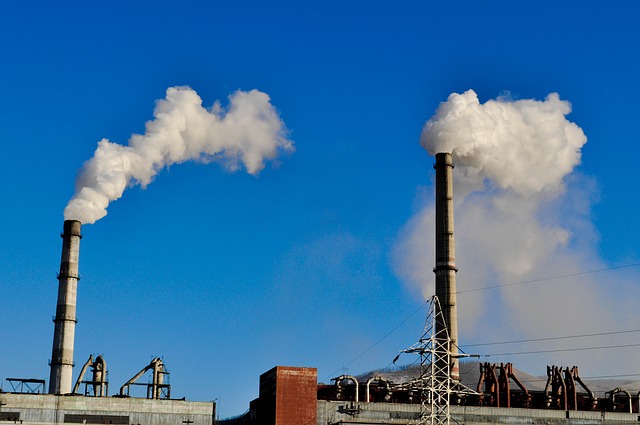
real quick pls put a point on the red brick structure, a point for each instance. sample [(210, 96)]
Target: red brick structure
[(288, 396)]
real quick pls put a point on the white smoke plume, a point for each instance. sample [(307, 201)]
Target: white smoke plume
[(525, 145), (246, 133), (522, 213)]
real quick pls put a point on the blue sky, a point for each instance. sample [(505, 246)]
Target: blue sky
[(226, 274)]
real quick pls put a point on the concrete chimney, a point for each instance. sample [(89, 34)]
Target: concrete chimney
[(445, 268), (65, 320)]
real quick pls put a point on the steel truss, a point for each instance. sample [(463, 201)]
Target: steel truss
[(434, 386)]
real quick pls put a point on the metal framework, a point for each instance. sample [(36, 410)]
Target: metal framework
[(435, 385), (27, 386)]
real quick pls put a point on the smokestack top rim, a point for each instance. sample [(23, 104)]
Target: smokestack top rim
[(72, 228), (447, 157), (444, 158)]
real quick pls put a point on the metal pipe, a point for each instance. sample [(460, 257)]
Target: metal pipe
[(154, 390), (372, 379), (504, 385), (158, 379), (593, 401), (572, 392), (527, 395), (547, 387), (480, 380), (100, 388), (617, 391), (561, 387), (445, 268), (65, 319), (76, 387), (341, 378)]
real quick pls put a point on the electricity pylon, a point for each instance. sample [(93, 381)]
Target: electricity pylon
[(434, 386)]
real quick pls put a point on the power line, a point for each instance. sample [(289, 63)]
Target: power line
[(379, 341), (559, 350), (510, 342), (545, 279), (628, 375), (542, 379), (554, 338)]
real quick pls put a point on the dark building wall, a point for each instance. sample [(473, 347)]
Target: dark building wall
[(341, 412), (288, 396)]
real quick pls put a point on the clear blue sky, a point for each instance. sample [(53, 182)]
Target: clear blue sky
[(227, 275)]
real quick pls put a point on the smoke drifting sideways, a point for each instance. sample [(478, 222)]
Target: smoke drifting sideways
[(245, 134), (522, 213)]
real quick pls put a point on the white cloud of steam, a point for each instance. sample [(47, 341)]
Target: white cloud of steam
[(245, 134), (525, 145), (521, 213)]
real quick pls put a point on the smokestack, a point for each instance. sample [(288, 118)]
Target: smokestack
[(65, 320), (445, 268)]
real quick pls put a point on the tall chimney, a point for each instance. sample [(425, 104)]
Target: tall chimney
[(65, 320), (445, 268)]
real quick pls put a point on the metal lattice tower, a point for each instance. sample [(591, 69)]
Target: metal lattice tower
[(435, 385)]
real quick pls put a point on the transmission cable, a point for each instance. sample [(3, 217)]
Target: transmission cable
[(553, 338), (505, 285), (545, 279), (559, 350), (380, 340)]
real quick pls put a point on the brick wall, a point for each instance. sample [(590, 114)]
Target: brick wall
[(288, 396)]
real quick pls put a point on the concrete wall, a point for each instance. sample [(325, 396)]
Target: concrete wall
[(334, 412), (46, 409)]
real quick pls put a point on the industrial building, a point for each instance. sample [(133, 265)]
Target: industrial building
[(87, 401), (433, 394), (46, 409)]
